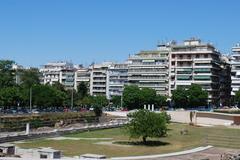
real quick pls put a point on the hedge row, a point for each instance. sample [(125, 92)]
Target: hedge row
[(14, 123)]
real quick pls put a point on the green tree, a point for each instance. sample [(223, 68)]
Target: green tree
[(147, 96), (144, 124), (116, 100), (82, 90), (59, 86), (6, 73), (30, 77), (131, 97), (180, 97), (194, 96), (10, 96), (47, 96), (160, 101), (237, 97), (86, 102), (197, 96), (98, 102)]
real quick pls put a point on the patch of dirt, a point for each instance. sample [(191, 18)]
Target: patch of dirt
[(111, 143)]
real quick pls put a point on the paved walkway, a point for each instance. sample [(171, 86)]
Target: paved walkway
[(184, 117), (79, 138), (210, 154), (199, 149)]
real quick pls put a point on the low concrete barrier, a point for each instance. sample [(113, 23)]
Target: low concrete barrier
[(208, 118), (221, 117), (59, 132)]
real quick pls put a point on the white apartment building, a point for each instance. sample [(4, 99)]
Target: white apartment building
[(17, 68), (82, 75), (117, 77), (62, 72), (98, 78), (150, 69), (198, 63), (235, 69)]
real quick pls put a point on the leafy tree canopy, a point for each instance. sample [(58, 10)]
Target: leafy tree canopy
[(135, 98), (237, 97), (144, 124), (82, 90), (193, 96), (6, 73), (116, 100), (30, 77), (131, 97)]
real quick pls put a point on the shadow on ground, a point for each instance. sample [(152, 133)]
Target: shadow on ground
[(150, 143)]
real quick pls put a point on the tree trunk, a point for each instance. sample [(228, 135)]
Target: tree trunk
[(144, 139)]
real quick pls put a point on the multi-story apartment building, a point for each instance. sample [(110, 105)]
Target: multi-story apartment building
[(198, 63), (17, 72), (117, 77), (62, 72), (98, 78), (82, 75), (67, 78), (235, 68), (150, 69)]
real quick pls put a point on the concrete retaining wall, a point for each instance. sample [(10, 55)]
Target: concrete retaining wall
[(59, 132), (208, 118)]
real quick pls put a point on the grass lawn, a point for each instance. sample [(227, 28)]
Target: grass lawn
[(175, 141)]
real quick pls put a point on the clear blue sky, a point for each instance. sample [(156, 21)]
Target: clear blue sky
[(33, 32)]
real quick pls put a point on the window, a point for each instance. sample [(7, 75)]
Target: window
[(205, 56), (43, 156), (197, 56)]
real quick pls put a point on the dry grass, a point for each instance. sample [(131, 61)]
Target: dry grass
[(172, 143)]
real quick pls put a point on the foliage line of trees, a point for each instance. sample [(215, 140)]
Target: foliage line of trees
[(16, 95), (192, 96), (13, 94)]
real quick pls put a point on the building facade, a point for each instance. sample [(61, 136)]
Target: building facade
[(117, 77), (82, 75), (198, 63), (98, 78), (235, 69), (62, 72), (150, 69)]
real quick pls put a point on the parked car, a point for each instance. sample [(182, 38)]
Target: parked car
[(35, 111), (124, 109)]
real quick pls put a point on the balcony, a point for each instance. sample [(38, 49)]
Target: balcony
[(99, 75), (202, 70), (99, 85), (184, 59), (162, 65), (149, 78), (98, 91), (99, 80), (202, 77), (184, 66), (184, 77)]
